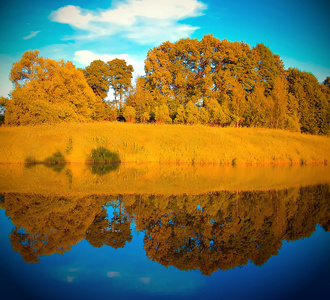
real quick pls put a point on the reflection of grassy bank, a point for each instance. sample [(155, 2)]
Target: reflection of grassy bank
[(166, 179), (165, 143)]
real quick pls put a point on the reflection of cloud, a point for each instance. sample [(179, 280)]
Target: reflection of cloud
[(145, 280), (73, 269), (113, 274), (31, 35), (69, 278), (139, 20)]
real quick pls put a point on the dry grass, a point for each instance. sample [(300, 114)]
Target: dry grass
[(160, 143)]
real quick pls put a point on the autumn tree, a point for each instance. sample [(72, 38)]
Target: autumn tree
[(97, 76), (249, 83), (192, 113), (120, 77), (48, 91), (141, 99), (180, 117), (313, 103), (129, 114), (162, 114), (279, 96)]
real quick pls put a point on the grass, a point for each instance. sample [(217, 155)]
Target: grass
[(76, 142)]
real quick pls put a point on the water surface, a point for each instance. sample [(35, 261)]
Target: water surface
[(164, 232)]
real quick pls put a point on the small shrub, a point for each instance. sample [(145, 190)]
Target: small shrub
[(56, 158), (30, 160), (102, 154)]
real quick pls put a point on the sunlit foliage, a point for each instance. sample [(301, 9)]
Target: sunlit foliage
[(49, 91)]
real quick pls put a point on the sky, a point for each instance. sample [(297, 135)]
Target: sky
[(81, 31)]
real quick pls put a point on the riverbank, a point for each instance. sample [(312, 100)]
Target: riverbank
[(111, 141)]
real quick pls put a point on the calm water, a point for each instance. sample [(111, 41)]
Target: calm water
[(164, 232)]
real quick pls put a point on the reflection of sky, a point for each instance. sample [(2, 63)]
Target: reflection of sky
[(300, 271)]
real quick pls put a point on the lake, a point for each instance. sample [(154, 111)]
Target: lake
[(164, 231)]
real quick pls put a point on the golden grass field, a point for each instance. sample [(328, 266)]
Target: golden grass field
[(75, 142)]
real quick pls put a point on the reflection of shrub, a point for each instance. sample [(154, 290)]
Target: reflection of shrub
[(103, 168), (55, 162), (56, 167), (102, 154), (30, 162)]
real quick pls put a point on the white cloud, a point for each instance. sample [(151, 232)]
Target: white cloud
[(72, 15), (6, 62), (31, 35), (151, 21), (85, 57)]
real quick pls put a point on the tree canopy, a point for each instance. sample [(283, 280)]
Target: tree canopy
[(49, 91), (191, 81)]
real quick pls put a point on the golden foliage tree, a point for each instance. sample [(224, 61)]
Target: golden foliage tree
[(48, 91)]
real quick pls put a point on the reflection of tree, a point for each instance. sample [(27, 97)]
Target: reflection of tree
[(207, 232), (46, 225), (223, 230), (114, 232)]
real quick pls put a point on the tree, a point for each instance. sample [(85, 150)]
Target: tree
[(120, 76), (279, 95), (216, 113), (140, 99), (97, 76), (180, 117), (129, 114), (269, 66), (204, 115), (313, 103), (48, 91), (162, 114), (192, 113)]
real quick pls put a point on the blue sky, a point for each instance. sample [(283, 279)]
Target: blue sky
[(81, 31)]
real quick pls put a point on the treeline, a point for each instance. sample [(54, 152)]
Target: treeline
[(188, 82)]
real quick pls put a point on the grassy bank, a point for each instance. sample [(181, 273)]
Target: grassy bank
[(158, 143)]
